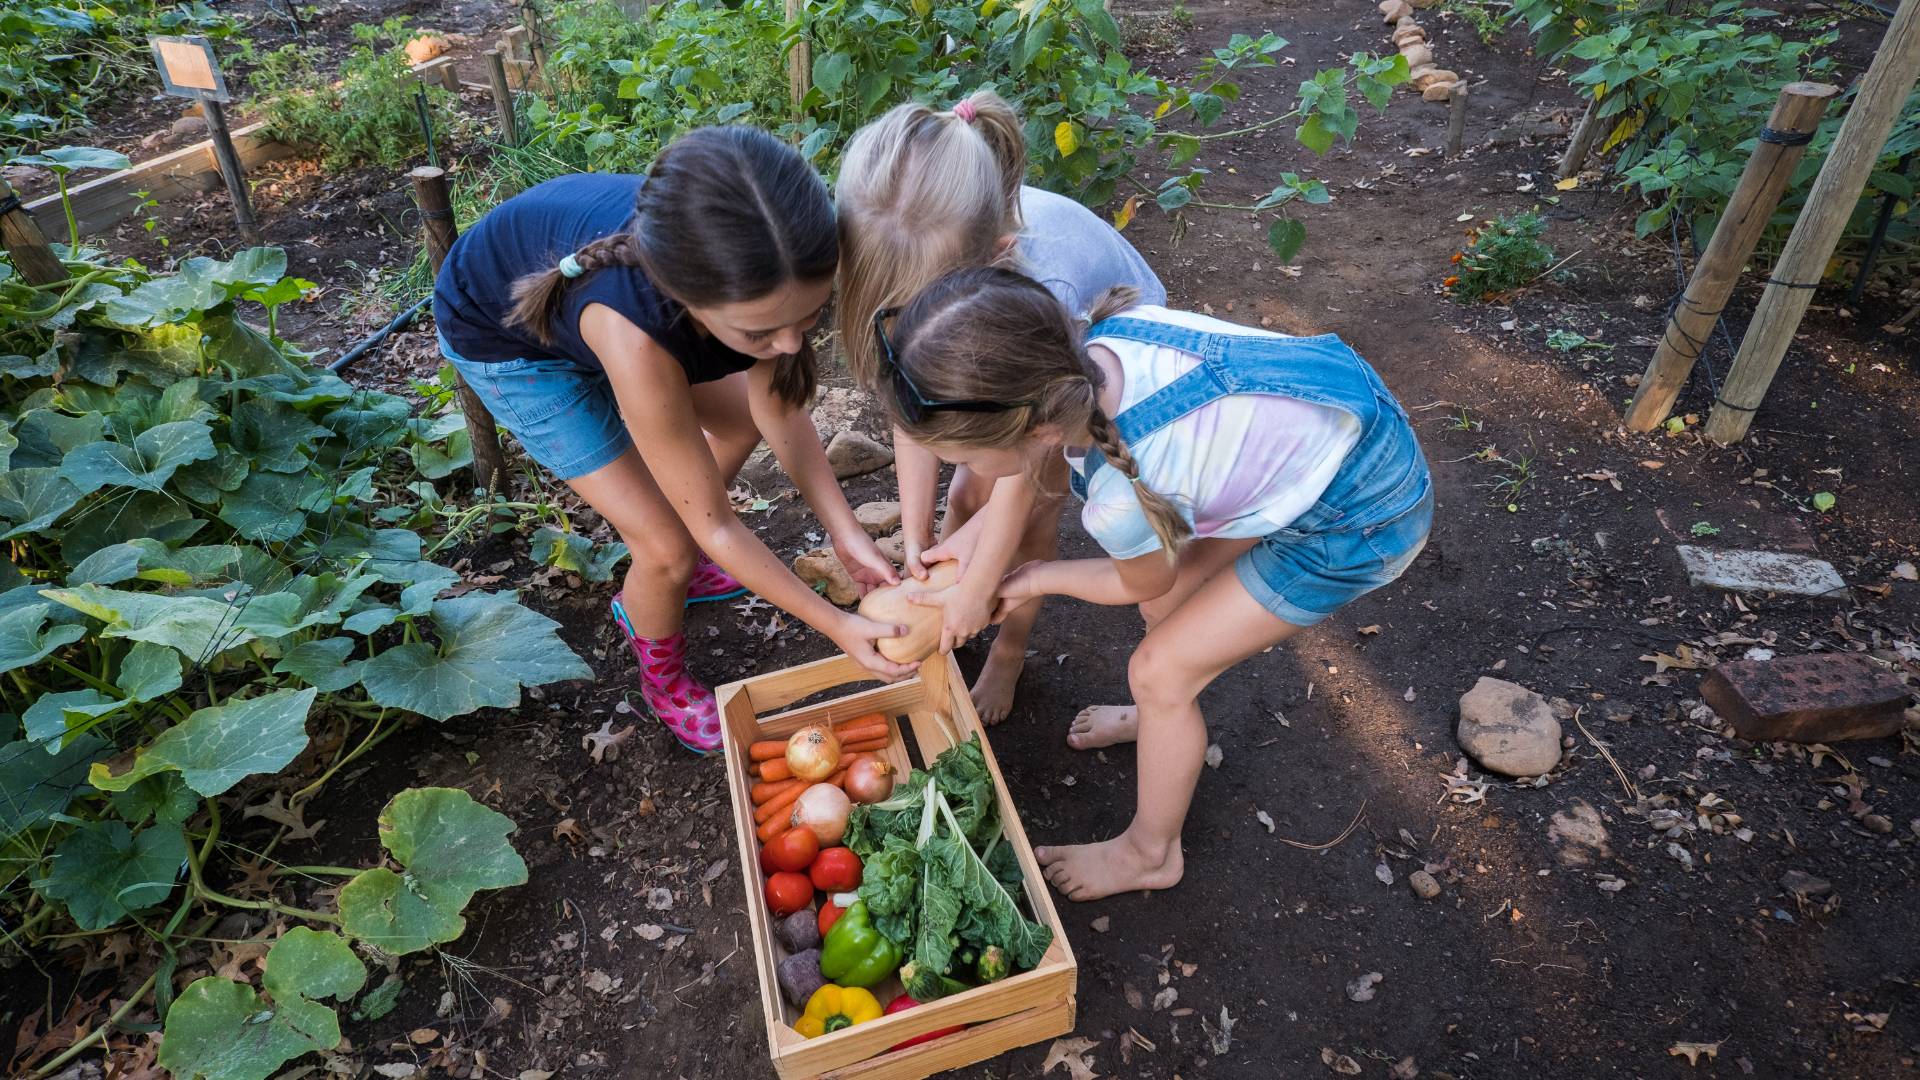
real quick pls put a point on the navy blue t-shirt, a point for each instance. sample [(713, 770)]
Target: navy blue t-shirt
[(529, 233)]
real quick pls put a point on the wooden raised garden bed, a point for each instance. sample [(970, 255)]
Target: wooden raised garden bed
[(936, 713)]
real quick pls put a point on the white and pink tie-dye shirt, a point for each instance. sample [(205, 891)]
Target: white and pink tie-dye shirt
[(1243, 466)]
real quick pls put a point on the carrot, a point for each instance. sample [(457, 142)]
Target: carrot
[(779, 804), (866, 746), (861, 734), (773, 829), (767, 790), (868, 720), (775, 770), (768, 750)]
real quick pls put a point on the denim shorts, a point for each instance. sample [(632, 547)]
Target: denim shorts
[(562, 411), (1303, 577)]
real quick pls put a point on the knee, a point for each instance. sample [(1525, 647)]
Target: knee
[(663, 555), (1155, 678)]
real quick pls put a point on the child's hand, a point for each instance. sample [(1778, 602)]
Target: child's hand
[(868, 568), (855, 634), (964, 611), (914, 545)]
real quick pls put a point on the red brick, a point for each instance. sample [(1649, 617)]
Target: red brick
[(1820, 697)]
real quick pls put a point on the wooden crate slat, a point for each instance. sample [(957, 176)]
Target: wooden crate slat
[(106, 201), (964, 1048)]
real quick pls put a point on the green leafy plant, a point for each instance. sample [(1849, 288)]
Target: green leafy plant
[(1488, 21), (1503, 256), (59, 57), (218, 560), (365, 115), (66, 160), (1680, 96)]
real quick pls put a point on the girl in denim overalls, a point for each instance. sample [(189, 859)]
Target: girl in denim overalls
[(1243, 484)]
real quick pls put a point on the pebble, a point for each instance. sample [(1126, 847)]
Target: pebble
[(855, 453), (1425, 886), (893, 547), (1509, 729)]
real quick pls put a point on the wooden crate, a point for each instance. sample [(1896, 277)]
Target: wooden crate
[(1016, 1011)]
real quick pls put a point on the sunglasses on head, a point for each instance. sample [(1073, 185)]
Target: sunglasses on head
[(914, 405)]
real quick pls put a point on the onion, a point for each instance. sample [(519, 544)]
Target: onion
[(869, 780), (822, 808), (813, 753)]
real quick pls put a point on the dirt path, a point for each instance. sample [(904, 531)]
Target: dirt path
[(1543, 956)]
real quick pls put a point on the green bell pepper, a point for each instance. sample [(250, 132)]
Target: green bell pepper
[(855, 953)]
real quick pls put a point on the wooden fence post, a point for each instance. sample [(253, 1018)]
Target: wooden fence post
[(502, 98), (26, 245), (436, 221), (1581, 144), (1782, 143), (800, 59), (1456, 118), (231, 171), (1883, 90)]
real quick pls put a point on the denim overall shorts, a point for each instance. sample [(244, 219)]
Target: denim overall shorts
[(1371, 521)]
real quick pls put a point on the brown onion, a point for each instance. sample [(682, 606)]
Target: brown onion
[(822, 808), (813, 753), (869, 780)]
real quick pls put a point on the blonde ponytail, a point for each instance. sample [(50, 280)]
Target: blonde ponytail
[(921, 193)]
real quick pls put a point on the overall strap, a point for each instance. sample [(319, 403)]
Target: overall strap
[(1183, 395)]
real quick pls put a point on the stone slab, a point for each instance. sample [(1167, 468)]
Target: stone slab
[(1763, 571)]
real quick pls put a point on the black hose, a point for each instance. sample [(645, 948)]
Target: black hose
[(373, 340)]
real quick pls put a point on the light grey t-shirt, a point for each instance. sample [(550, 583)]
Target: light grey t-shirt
[(1077, 256)]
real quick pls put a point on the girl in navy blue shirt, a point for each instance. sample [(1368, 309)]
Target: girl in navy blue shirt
[(640, 336)]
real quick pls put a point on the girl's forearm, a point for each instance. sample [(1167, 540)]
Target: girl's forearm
[(1097, 581), (1004, 522), (742, 554), (918, 471), (796, 446)]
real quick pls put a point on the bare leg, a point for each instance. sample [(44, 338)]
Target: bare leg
[(993, 689), (727, 420), (662, 550), (1216, 628), (1107, 725)]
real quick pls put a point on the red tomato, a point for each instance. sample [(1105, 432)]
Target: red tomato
[(766, 860), (788, 892), (836, 870), (830, 913), (902, 1004), (791, 851)]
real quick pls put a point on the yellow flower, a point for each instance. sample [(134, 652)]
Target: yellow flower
[(834, 1007)]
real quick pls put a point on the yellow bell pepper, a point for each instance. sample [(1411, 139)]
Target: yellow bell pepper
[(834, 1007)]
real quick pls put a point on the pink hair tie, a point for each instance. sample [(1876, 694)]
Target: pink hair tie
[(965, 110)]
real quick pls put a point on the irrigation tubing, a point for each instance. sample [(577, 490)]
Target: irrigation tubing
[(374, 339)]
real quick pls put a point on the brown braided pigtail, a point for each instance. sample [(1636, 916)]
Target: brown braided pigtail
[(1168, 525), (537, 296)]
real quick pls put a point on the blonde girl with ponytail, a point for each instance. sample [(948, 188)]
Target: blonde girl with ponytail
[(923, 192), (640, 336), (1243, 484)]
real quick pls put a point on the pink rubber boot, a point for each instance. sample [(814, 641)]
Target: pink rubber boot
[(709, 583), (680, 701)]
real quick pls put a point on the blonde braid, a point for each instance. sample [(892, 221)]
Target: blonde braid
[(1168, 525)]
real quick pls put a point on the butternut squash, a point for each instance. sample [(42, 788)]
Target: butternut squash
[(891, 605)]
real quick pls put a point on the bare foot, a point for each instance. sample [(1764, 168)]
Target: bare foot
[(993, 690), (1091, 871), (1104, 725)]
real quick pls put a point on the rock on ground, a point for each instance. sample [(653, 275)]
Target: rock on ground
[(854, 453), (878, 518), (1763, 571), (893, 547), (822, 567), (1509, 729)]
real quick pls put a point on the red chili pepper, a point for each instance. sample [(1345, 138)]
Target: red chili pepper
[(902, 1004)]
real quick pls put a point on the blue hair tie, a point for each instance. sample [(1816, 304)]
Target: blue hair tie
[(570, 267)]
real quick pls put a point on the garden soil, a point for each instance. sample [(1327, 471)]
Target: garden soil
[(1570, 938)]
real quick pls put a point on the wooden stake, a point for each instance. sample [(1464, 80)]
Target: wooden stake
[(1456, 119), (1883, 90), (800, 60), (1581, 145), (436, 221), (1795, 116), (502, 98), (26, 245), (231, 171)]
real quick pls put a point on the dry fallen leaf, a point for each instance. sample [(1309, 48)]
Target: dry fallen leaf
[(422, 1036), (648, 931), (1404, 1069), (1073, 1054), (1165, 998), (1692, 1051), (570, 831), (605, 743), (1605, 476), (1339, 1063), (1362, 988), (1374, 629)]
